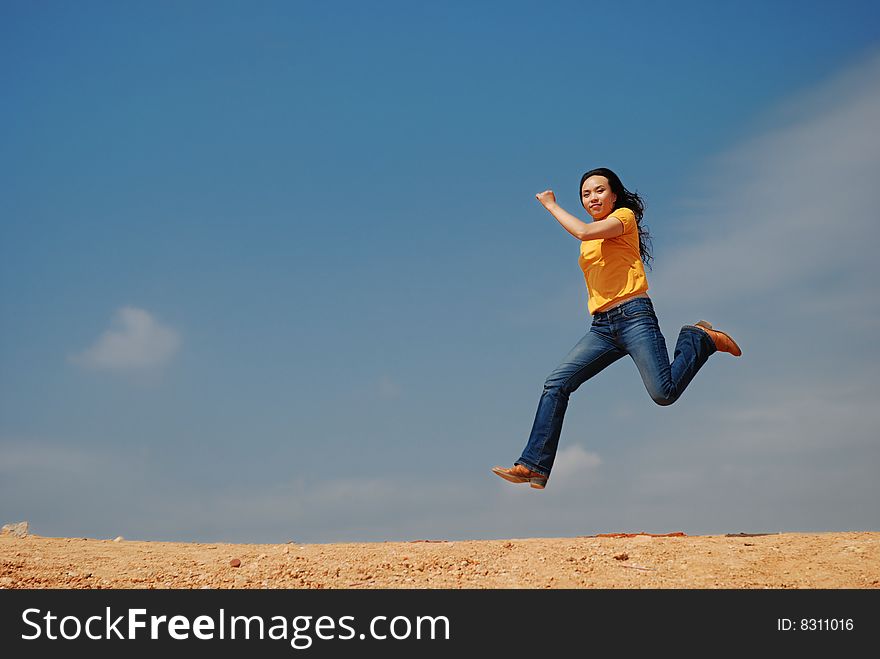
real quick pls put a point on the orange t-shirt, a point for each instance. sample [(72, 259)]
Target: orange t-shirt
[(613, 267)]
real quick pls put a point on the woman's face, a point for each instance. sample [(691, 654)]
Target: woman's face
[(597, 196)]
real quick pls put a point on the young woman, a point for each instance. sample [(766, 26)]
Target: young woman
[(614, 249)]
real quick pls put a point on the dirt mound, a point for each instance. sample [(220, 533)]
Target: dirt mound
[(615, 560)]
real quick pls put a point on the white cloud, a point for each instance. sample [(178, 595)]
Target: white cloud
[(574, 465), (793, 209), (49, 460), (137, 341), (307, 508), (801, 418)]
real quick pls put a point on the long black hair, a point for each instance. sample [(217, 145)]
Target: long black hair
[(625, 199)]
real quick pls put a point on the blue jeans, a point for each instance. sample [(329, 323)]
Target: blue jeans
[(630, 329)]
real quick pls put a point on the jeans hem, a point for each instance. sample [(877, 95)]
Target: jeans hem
[(530, 466), (707, 340)]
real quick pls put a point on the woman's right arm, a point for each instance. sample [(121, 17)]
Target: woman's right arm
[(598, 229)]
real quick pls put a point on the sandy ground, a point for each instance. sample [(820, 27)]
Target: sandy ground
[(787, 560)]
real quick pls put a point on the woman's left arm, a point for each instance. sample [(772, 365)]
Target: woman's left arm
[(610, 227)]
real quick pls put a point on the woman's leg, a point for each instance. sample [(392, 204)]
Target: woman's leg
[(641, 336), (591, 354)]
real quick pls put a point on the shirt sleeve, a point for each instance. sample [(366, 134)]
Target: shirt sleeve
[(628, 218)]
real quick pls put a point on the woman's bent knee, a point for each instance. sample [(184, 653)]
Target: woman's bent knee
[(663, 400)]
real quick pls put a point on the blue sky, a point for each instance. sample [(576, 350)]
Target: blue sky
[(276, 271)]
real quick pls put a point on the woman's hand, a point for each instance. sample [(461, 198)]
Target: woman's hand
[(547, 198)]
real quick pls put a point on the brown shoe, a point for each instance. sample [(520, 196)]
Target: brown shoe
[(520, 474), (723, 342)]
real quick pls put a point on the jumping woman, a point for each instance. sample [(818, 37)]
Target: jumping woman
[(614, 249)]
